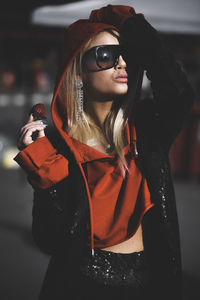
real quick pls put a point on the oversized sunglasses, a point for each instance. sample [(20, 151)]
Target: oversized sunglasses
[(101, 57)]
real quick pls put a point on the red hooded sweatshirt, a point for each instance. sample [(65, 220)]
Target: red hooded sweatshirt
[(117, 204)]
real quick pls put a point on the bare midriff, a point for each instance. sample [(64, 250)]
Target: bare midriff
[(133, 244)]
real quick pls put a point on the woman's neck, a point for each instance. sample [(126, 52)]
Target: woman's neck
[(98, 111)]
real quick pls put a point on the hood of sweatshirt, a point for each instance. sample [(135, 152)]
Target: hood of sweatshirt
[(76, 36)]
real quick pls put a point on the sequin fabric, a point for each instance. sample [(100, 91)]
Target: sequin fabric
[(119, 270)]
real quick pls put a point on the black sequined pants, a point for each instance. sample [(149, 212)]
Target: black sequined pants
[(110, 275)]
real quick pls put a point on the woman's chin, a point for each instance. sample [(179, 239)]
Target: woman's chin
[(121, 90)]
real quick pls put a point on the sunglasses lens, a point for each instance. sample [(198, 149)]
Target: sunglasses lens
[(89, 61), (101, 57), (107, 56)]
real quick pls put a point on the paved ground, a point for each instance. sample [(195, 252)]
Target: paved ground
[(22, 265)]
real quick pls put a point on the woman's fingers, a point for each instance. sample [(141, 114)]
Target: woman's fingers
[(31, 124), (28, 130), (27, 137)]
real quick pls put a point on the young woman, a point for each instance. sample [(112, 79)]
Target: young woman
[(104, 204)]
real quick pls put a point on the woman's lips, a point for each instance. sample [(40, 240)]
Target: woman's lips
[(121, 78)]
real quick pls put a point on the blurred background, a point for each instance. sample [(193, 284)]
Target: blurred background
[(31, 34)]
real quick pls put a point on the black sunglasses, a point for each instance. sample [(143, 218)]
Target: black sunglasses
[(101, 57)]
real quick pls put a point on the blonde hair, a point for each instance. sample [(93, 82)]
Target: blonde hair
[(112, 135)]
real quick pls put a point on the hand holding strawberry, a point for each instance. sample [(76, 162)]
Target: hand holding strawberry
[(34, 128)]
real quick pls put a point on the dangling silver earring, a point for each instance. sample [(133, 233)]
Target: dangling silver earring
[(79, 97)]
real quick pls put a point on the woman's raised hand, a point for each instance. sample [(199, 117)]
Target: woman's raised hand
[(141, 41), (27, 131)]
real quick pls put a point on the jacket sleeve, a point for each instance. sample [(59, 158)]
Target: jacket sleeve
[(44, 166), (49, 220), (56, 220), (47, 171), (173, 97), (60, 214)]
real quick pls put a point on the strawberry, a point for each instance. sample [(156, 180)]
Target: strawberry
[(38, 111)]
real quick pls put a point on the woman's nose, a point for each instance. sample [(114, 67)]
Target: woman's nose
[(121, 63)]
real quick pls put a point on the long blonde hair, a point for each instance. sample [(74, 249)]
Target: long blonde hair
[(112, 135)]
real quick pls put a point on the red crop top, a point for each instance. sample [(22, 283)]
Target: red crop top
[(118, 203)]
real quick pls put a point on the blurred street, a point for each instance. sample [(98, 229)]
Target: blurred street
[(23, 266)]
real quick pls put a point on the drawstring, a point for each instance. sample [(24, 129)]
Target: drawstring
[(91, 210), (134, 141)]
